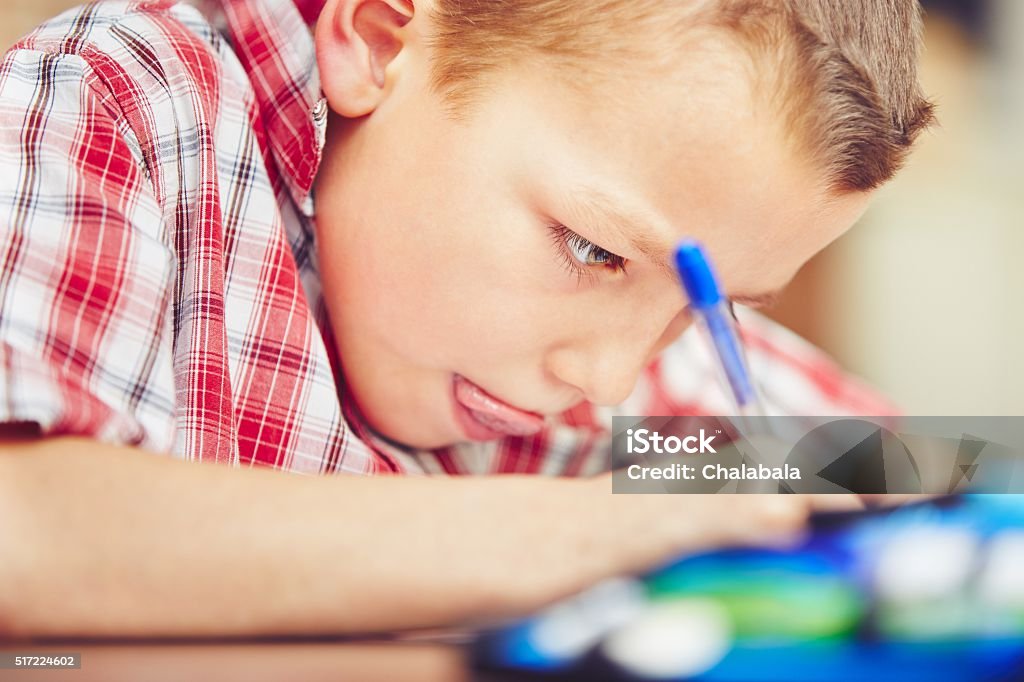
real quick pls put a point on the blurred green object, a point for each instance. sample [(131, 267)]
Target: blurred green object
[(769, 604), (955, 617)]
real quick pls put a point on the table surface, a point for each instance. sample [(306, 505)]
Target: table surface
[(310, 661)]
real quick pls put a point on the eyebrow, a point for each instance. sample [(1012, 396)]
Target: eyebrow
[(762, 300), (594, 208)]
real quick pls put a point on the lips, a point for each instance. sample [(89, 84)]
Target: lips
[(484, 417)]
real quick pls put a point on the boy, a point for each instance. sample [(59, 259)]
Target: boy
[(428, 238)]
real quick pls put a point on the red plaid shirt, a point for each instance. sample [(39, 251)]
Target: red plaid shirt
[(158, 273)]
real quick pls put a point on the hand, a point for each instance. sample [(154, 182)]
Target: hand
[(645, 530)]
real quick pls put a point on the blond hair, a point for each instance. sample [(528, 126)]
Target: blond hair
[(842, 73)]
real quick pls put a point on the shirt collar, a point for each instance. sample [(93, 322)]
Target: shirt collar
[(273, 41)]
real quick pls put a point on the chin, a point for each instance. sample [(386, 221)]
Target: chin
[(415, 424), (410, 438)]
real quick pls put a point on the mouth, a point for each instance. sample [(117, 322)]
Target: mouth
[(484, 417)]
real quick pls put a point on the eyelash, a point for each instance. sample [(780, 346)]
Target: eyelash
[(566, 241)]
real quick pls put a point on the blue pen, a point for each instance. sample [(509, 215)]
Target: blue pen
[(715, 317)]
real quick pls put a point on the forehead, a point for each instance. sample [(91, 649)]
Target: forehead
[(685, 147)]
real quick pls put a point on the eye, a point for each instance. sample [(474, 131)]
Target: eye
[(588, 253), (580, 254)]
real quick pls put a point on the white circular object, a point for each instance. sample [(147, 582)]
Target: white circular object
[(1002, 580), (569, 628), (925, 563), (674, 639)]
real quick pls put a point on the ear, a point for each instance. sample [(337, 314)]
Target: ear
[(355, 42)]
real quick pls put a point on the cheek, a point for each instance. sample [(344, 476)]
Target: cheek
[(679, 324), (437, 294)]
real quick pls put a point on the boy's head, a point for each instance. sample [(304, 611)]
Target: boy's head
[(504, 180)]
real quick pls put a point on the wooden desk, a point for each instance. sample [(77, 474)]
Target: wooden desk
[(305, 661)]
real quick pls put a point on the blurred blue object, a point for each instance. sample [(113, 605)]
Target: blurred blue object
[(930, 591)]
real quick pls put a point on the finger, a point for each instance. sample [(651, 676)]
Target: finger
[(835, 503), (895, 499)]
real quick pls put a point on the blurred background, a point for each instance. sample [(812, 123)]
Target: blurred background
[(923, 297)]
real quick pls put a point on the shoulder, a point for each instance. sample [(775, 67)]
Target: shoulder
[(142, 53), (158, 70), (111, 26)]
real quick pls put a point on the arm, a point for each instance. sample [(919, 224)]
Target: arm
[(107, 541)]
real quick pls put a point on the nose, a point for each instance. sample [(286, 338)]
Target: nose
[(606, 363)]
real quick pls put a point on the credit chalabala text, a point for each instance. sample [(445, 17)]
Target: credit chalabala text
[(644, 441)]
